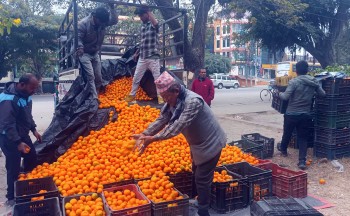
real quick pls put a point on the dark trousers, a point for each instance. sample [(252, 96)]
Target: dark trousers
[(203, 177), (13, 161), (302, 124)]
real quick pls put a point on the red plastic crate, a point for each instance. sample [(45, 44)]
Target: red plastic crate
[(262, 161), (167, 209), (120, 183), (142, 210), (285, 182)]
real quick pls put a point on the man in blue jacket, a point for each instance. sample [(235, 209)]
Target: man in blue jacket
[(16, 121)]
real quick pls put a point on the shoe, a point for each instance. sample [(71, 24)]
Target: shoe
[(302, 165), (193, 203), (160, 100), (130, 99), (10, 203), (283, 153)]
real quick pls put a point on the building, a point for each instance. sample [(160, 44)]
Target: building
[(245, 57)]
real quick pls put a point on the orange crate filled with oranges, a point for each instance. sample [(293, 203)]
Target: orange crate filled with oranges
[(84, 205), (126, 200), (229, 191), (166, 200)]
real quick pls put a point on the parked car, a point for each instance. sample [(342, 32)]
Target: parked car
[(224, 81)]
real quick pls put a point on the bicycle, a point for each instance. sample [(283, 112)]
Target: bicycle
[(266, 93)]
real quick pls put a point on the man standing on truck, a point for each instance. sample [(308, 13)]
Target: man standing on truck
[(91, 33), (186, 112), (148, 52), (299, 94), (204, 86), (16, 121)]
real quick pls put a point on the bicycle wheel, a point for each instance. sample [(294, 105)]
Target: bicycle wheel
[(265, 95)]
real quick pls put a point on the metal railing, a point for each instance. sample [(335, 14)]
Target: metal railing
[(116, 44)]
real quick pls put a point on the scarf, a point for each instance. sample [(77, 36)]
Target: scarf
[(179, 107)]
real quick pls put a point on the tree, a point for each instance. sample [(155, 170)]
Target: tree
[(30, 47), (312, 24), (217, 63)]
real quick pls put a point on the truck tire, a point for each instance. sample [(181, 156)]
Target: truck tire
[(220, 86)]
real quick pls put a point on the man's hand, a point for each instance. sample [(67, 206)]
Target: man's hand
[(80, 52), (23, 147), (37, 136), (135, 56), (142, 142)]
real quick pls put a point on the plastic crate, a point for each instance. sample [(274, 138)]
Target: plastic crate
[(120, 183), (274, 206), (183, 182), (262, 161), (336, 86), (335, 120), (254, 149), (258, 180), (267, 143), (27, 189), (337, 103), (329, 136), (331, 152), (285, 182), (142, 210), (227, 197), (68, 198), (46, 207), (278, 104), (166, 209)]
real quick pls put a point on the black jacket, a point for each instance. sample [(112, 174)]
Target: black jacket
[(16, 118)]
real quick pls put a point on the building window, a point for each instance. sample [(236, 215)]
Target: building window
[(228, 54), (218, 30), (228, 42), (218, 44), (228, 29)]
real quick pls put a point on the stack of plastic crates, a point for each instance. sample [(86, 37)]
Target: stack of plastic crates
[(332, 120)]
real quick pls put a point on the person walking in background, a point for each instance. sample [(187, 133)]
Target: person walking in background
[(16, 121), (91, 33), (186, 112), (204, 86), (148, 53), (299, 93)]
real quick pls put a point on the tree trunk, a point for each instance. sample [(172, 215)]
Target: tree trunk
[(194, 50)]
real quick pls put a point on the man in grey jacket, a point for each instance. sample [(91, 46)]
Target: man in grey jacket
[(91, 33), (300, 92), (186, 112)]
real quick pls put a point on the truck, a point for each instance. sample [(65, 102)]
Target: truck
[(116, 45)]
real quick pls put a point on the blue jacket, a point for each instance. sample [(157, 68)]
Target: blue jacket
[(16, 118)]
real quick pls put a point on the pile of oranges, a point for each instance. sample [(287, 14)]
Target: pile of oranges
[(159, 188), (106, 156), (233, 154), (85, 206), (222, 176), (123, 199), (116, 93)]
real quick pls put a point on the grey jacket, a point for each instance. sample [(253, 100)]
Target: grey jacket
[(90, 37), (300, 92)]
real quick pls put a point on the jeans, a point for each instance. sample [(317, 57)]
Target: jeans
[(142, 66), (13, 161), (92, 67), (203, 178), (302, 124)]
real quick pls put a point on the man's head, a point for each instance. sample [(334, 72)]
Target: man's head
[(27, 84), (302, 68), (202, 73), (168, 88), (100, 16), (142, 12)]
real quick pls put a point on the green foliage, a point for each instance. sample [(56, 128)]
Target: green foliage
[(217, 63), (7, 21), (312, 24), (32, 46), (343, 68)]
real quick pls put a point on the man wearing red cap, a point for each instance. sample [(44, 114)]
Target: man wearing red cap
[(186, 112)]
